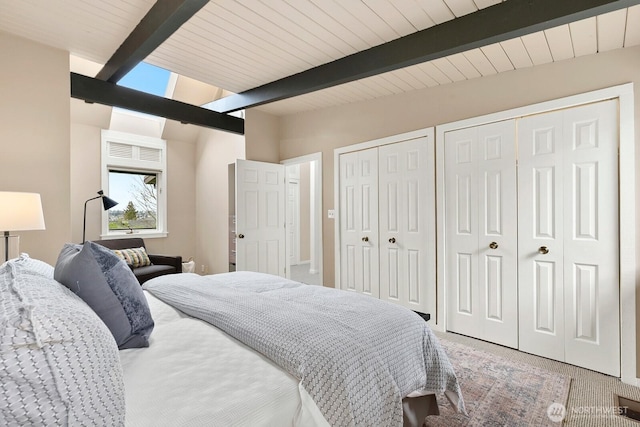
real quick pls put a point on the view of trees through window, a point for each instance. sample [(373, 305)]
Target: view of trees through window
[(137, 197)]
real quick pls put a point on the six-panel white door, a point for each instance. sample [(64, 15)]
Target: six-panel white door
[(260, 217), (292, 188), (568, 236), (359, 222), (407, 224), (481, 228)]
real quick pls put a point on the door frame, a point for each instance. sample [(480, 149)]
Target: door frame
[(627, 207), (315, 210), (420, 133)]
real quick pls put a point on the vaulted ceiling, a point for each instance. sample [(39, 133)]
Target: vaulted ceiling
[(243, 45)]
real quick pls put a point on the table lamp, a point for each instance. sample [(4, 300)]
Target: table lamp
[(19, 212)]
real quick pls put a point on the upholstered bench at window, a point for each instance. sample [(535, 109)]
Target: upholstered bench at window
[(160, 264)]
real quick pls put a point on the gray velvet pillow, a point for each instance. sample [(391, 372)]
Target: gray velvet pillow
[(108, 286)]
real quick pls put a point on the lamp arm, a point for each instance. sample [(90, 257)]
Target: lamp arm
[(6, 246), (84, 219)]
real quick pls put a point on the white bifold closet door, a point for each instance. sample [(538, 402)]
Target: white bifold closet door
[(407, 222), (481, 229), (532, 251), (568, 236), (387, 222), (359, 244)]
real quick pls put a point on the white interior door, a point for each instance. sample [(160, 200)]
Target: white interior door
[(293, 222), (541, 235), (569, 273), (591, 258), (407, 224), (481, 248), (462, 235), (260, 217), (359, 222)]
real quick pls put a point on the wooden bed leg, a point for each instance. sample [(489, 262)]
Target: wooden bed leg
[(416, 409)]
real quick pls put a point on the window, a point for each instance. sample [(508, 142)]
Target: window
[(138, 196), (134, 175)]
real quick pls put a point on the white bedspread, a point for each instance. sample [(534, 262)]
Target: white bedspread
[(193, 374), (356, 356)]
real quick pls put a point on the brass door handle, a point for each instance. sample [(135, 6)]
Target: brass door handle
[(365, 239), (493, 245), (240, 236), (392, 240), (543, 250)]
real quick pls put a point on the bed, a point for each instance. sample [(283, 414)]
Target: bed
[(64, 364)]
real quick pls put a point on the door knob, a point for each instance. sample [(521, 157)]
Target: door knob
[(392, 240), (493, 245), (365, 239), (240, 236), (543, 250)]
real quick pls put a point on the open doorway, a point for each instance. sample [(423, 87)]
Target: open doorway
[(304, 218)]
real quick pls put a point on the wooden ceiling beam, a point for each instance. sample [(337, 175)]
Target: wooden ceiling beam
[(500, 22), (162, 20), (101, 92)]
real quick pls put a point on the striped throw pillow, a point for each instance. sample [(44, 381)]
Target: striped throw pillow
[(137, 257)]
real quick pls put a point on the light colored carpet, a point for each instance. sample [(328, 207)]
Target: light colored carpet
[(300, 273), (591, 400)]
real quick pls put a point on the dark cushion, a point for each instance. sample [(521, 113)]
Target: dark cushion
[(150, 271), (109, 287), (168, 264), (132, 242)]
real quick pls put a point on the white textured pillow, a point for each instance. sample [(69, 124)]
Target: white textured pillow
[(59, 364)]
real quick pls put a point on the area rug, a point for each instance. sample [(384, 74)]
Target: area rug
[(499, 392)]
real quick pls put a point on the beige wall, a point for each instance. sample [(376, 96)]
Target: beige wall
[(181, 202), (51, 145), (86, 181), (262, 134), (328, 129), (42, 152), (215, 151), (34, 137), (337, 127)]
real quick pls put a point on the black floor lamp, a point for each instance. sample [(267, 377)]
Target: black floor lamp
[(107, 204)]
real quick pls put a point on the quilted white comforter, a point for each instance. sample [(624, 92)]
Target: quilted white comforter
[(356, 356), (193, 374)]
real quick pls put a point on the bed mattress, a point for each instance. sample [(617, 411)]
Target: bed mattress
[(193, 374)]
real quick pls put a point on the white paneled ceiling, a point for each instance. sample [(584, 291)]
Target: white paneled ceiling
[(238, 45)]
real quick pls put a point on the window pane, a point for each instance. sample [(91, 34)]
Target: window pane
[(137, 198)]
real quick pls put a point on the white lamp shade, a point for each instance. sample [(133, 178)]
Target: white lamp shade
[(20, 211)]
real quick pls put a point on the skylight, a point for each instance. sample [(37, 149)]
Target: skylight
[(147, 78)]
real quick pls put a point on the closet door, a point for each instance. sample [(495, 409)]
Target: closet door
[(541, 235), (359, 222), (481, 228), (407, 222), (569, 274)]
